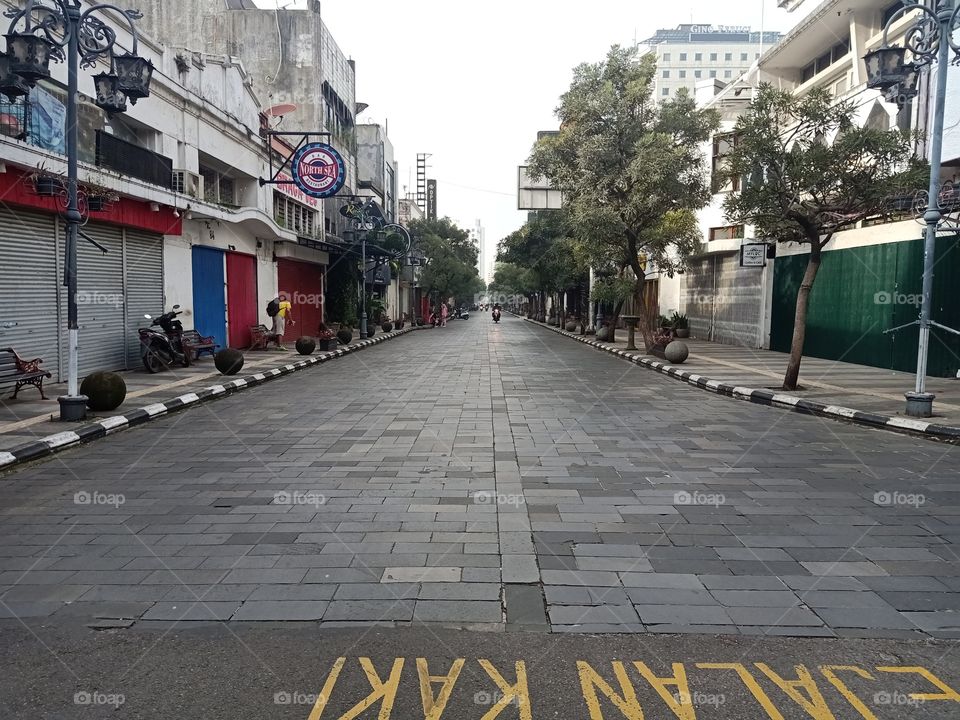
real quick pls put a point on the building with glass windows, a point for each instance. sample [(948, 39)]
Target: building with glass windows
[(691, 53)]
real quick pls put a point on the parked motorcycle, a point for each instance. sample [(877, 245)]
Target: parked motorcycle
[(160, 350)]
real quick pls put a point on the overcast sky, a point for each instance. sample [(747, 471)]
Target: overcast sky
[(473, 82)]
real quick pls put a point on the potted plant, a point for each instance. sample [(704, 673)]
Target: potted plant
[(46, 182), (326, 339), (680, 326)]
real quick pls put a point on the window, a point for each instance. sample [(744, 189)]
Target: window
[(294, 216), (728, 232), (721, 179), (743, 57), (665, 92), (683, 73), (713, 73), (217, 187), (834, 54), (713, 57), (756, 56), (728, 74), (698, 57), (666, 73), (728, 57), (683, 57), (698, 73), (666, 57)]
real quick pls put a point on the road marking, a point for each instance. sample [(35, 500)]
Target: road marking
[(590, 682), (948, 692), (829, 672), (517, 693), (433, 706)]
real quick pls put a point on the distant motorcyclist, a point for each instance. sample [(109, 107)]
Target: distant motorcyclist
[(496, 313)]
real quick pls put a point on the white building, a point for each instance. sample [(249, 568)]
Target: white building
[(690, 53), (879, 257)]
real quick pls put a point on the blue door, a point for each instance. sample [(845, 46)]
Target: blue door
[(209, 302)]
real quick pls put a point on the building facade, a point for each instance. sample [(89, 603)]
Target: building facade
[(866, 269), (690, 53)]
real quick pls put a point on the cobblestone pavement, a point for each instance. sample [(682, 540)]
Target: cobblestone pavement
[(491, 476)]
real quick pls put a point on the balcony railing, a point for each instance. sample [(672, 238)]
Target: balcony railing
[(133, 160)]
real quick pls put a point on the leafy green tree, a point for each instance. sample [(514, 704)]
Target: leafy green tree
[(809, 172), (631, 169), (451, 254)]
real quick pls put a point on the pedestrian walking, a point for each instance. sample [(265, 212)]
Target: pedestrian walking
[(280, 319), (443, 314)]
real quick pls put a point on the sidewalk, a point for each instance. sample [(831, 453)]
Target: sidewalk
[(846, 385), (28, 417)]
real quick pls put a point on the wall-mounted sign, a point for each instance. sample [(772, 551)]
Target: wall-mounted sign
[(705, 29), (431, 199), (318, 170), (288, 187), (753, 255)]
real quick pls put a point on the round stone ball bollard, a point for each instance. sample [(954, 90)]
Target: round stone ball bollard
[(306, 345), (228, 361), (105, 391), (676, 352)]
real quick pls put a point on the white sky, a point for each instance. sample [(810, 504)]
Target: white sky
[(473, 82)]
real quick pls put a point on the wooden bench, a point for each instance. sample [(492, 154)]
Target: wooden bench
[(195, 343), (260, 337), (14, 370)]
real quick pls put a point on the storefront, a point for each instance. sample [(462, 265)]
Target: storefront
[(115, 288), (224, 295), (301, 284)]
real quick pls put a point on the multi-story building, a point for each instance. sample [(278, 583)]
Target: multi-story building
[(690, 53), (864, 266), (479, 235)]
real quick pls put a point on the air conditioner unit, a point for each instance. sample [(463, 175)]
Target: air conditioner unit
[(187, 183)]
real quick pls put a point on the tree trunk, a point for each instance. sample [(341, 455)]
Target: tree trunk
[(800, 318)]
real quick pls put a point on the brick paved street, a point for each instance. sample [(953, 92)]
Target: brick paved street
[(489, 477)]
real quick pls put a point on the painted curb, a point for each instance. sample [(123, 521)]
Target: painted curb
[(901, 425), (43, 447)]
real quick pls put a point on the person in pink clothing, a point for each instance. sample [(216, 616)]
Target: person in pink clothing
[(443, 314)]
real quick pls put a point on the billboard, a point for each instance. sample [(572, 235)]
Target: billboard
[(536, 194), (431, 199)]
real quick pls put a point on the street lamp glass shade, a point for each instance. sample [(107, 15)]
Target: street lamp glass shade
[(11, 84), (29, 56), (885, 67), (109, 97), (135, 74), (911, 79)]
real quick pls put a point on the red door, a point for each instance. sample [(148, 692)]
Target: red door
[(241, 298), (301, 284)]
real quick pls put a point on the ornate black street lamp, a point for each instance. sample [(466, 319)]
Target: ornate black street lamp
[(45, 30), (928, 40)]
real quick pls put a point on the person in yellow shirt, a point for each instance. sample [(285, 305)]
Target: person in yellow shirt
[(280, 321)]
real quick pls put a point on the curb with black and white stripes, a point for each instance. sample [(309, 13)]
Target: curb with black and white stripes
[(51, 444), (776, 399)]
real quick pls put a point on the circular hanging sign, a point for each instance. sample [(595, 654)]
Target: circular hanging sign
[(318, 170)]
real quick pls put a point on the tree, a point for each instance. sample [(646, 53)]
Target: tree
[(451, 254), (809, 172), (631, 169)]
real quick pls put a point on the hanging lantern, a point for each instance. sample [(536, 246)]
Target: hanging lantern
[(11, 84), (29, 56), (135, 74), (109, 97), (885, 67)]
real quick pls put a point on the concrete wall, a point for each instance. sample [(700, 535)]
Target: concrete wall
[(724, 302)]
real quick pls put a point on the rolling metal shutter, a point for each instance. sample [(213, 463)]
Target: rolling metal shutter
[(143, 277), (100, 301), (29, 259)]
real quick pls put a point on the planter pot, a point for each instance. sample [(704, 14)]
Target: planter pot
[(371, 330), (603, 334), (47, 185), (419, 322), (327, 344), (682, 332), (228, 361), (344, 336), (105, 391), (306, 345), (387, 327), (571, 327)]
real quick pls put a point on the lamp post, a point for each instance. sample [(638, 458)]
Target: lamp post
[(61, 30), (928, 40)]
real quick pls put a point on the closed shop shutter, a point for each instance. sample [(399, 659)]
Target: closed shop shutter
[(29, 260), (100, 301), (143, 262), (301, 283)]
